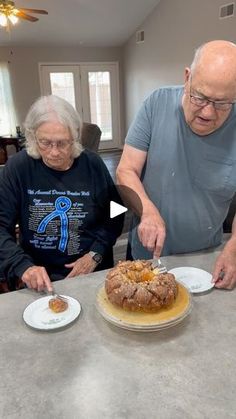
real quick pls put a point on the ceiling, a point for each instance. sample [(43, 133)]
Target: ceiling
[(85, 23)]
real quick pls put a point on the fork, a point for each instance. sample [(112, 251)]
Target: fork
[(157, 264), (54, 294)]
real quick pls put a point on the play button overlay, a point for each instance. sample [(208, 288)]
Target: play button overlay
[(120, 204), (127, 205), (116, 209)]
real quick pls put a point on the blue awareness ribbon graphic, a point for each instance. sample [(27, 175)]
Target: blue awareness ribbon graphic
[(62, 204)]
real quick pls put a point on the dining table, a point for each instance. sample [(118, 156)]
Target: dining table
[(94, 369)]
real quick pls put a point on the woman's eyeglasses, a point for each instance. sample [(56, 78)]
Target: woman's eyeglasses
[(48, 144)]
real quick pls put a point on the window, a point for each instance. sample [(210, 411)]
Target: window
[(100, 101), (62, 84), (93, 89), (7, 112)]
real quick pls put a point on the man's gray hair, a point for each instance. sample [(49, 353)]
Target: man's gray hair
[(196, 57), (49, 109)]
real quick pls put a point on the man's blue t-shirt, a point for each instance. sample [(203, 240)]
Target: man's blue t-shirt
[(190, 178)]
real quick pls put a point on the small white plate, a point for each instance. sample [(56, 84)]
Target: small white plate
[(39, 316), (196, 280)]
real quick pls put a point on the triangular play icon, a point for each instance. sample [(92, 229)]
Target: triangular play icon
[(116, 209)]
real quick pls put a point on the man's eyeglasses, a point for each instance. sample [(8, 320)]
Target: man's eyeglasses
[(60, 144), (202, 101)]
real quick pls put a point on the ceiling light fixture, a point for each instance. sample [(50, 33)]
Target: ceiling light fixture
[(8, 13)]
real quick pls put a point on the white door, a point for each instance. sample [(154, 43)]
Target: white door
[(62, 80), (93, 89)]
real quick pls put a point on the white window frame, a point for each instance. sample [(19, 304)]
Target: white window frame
[(80, 71)]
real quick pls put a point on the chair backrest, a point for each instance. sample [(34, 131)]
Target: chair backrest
[(8, 146), (90, 136)]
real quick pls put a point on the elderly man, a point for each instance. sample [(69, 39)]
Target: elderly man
[(180, 158)]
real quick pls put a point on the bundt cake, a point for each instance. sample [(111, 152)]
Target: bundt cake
[(134, 286)]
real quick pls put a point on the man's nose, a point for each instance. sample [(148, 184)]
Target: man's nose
[(208, 109)]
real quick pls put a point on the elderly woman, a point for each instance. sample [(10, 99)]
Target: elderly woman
[(59, 194)]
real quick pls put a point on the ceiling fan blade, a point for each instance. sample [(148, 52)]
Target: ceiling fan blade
[(41, 12), (23, 15)]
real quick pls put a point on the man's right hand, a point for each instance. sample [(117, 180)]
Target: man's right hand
[(36, 277), (152, 232)]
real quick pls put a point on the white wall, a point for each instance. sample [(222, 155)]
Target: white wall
[(172, 32)]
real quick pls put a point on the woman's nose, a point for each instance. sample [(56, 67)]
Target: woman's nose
[(54, 149)]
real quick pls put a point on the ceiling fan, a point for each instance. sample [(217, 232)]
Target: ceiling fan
[(10, 13)]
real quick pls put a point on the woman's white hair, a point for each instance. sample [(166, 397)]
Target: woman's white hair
[(49, 109)]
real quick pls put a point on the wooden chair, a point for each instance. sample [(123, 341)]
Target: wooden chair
[(90, 136), (8, 146)]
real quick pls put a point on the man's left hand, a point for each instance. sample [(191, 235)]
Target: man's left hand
[(224, 273)]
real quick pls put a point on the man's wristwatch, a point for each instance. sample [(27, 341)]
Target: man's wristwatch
[(96, 257)]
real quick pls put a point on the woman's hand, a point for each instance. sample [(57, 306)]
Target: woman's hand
[(36, 277), (83, 265)]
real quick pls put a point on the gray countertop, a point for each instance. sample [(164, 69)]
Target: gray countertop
[(94, 370)]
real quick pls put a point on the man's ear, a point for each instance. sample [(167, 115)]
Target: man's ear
[(187, 73)]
